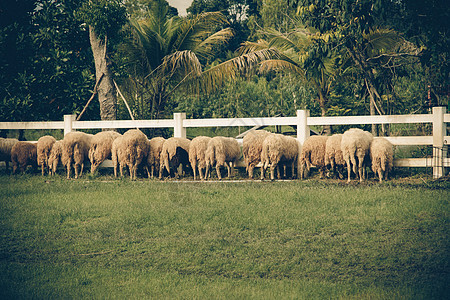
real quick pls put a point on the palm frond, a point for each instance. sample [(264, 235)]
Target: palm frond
[(206, 47), (217, 75), (182, 62)]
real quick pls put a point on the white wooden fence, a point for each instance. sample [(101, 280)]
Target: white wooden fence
[(438, 118)]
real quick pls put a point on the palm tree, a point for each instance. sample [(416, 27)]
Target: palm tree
[(165, 52), (297, 52)]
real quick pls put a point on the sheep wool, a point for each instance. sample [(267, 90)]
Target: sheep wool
[(333, 154), (23, 154), (44, 147), (197, 154), (100, 148), (136, 149), (313, 153), (5, 150), (355, 146), (382, 156), (222, 151), (251, 149), (56, 155), (76, 149), (175, 152), (118, 155), (279, 149), (154, 155)]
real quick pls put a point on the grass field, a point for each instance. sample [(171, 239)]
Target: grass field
[(103, 238)]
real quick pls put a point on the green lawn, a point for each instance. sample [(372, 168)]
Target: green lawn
[(103, 238)]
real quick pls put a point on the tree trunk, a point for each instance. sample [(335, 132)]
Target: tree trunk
[(106, 92)]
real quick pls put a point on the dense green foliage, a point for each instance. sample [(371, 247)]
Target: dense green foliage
[(145, 239), (355, 57)]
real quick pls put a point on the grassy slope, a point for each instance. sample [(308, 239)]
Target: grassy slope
[(99, 238)]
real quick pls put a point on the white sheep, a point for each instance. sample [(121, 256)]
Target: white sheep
[(333, 154), (44, 147), (222, 151), (22, 155), (251, 149), (279, 149), (197, 154), (382, 156), (76, 149), (100, 149), (154, 155), (175, 152), (136, 150), (355, 146), (313, 153), (6, 145)]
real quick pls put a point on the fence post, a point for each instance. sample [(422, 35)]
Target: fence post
[(68, 120), (302, 125), (439, 132), (178, 129)]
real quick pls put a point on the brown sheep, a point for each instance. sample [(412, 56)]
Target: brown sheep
[(22, 155), (5, 150)]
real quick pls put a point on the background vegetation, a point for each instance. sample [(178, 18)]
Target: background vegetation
[(253, 58)]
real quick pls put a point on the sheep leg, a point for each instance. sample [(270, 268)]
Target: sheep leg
[(349, 169), (272, 171), (200, 171), (250, 171), (81, 169), (229, 165), (194, 168), (218, 171), (361, 171), (43, 172), (380, 175)]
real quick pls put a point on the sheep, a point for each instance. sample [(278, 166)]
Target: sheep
[(333, 154), (382, 157), (5, 150), (355, 146), (222, 151), (154, 155), (118, 155), (175, 152), (44, 147), (313, 153), (279, 149), (57, 154), (251, 149), (101, 148), (76, 149), (22, 155), (197, 154), (136, 148)]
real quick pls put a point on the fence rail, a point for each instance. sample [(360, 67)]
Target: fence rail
[(302, 121)]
